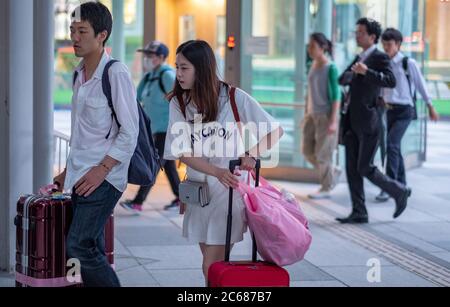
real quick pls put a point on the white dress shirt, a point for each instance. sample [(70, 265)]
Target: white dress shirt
[(365, 54), (402, 94), (92, 120)]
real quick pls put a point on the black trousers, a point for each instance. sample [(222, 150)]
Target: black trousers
[(169, 168), (360, 150), (398, 121)]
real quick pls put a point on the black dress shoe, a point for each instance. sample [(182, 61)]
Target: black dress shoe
[(354, 219), (402, 202)]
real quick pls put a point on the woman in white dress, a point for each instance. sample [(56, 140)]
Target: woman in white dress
[(204, 135)]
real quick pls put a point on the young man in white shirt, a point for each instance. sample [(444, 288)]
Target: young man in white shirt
[(100, 154), (400, 104)]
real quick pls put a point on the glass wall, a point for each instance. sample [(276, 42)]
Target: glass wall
[(65, 60), (275, 33), (268, 67), (438, 53), (405, 15), (178, 21), (133, 21)]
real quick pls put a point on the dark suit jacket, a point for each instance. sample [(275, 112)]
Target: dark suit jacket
[(363, 113)]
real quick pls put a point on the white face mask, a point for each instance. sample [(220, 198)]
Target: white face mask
[(148, 64)]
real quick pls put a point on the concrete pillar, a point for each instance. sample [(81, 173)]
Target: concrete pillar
[(43, 93), (406, 17), (149, 21), (247, 33), (4, 138), (233, 57), (325, 17), (117, 36), (302, 36), (17, 130)]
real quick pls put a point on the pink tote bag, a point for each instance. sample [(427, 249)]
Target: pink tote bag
[(279, 225)]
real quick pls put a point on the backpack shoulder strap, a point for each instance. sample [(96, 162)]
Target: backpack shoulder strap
[(106, 86), (74, 78), (405, 64), (161, 83), (147, 77)]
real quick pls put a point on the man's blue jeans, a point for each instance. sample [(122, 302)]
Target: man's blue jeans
[(86, 239)]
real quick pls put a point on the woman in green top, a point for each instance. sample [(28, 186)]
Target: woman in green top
[(320, 126)]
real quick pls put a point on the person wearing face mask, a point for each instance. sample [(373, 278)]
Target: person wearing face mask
[(158, 81)]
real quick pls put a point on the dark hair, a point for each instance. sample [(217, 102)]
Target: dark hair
[(323, 42), (206, 88), (392, 34), (97, 15), (373, 27)]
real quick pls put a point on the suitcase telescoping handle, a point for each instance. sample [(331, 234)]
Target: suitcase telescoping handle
[(233, 165)]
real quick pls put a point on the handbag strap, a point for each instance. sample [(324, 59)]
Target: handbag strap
[(232, 94)]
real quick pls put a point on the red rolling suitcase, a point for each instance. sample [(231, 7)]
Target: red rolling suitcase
[(42, 224), (245, 274)]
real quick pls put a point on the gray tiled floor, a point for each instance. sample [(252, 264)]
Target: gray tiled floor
[(391, 276), (150, 251), (6, 280)]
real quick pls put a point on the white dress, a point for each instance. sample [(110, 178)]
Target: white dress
[(208, 225)]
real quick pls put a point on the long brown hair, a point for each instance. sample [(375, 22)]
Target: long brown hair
[(206, 88)]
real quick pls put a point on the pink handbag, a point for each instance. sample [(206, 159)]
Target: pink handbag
[(279, 225)]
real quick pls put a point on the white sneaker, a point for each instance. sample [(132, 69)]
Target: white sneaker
[(320, 195), (336, 177)]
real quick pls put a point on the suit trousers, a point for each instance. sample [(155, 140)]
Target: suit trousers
[(360, 149)]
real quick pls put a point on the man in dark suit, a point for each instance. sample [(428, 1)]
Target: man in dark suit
[(362, 123)]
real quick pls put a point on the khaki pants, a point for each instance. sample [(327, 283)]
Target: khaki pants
[(318, 147)]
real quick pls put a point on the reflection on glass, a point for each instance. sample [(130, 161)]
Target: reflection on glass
[(65, 60), (186, 28), (271, 78)]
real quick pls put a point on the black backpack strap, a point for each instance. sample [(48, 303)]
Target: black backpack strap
[(147, 78), (106, 86), (405, 64), (161, 83), (74, 78), (159, 79)]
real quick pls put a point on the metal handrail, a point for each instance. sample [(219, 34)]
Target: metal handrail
[(299, 106), (61, 142)]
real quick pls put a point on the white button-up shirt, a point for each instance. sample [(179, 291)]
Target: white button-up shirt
[(402, 94), (365, 54), (92, 120)]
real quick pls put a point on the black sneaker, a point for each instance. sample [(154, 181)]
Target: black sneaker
[(131, 207), (175, 204)]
